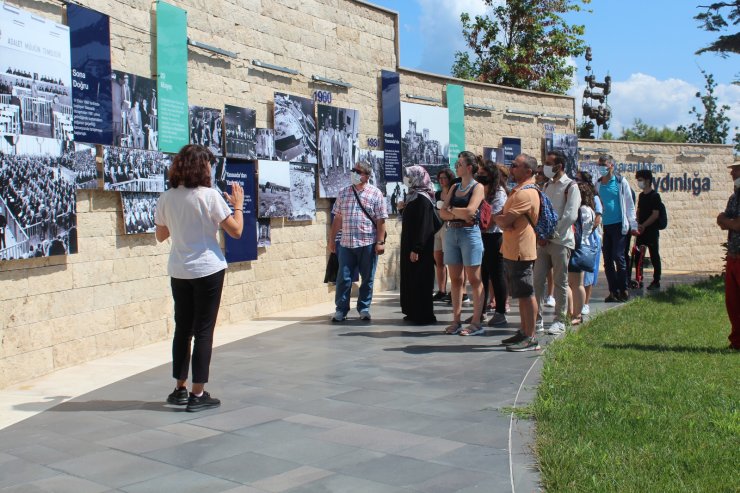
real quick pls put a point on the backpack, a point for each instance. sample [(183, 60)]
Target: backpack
[(548, 218), (662, 221), (484, 214)]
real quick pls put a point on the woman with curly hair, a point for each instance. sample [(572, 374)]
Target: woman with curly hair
[(190, 213)]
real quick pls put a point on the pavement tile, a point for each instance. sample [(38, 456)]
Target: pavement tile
[(240, 418), (247, 467), (453, 481), (430, 449), (292, 479), (395, 470), (145, 441), (58, 484), (372, 438), (189, 430), (203, 451), (339, 483), (186, 481), (17, 471)]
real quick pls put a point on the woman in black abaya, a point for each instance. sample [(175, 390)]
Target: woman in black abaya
[(417, 248)]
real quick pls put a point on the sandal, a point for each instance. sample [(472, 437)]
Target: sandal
[(577, 320), (473, 330), (453, 329)]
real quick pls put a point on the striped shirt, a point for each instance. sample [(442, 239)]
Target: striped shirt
[(357, 229)]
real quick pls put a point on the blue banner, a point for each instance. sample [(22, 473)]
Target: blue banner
[(89, 37), (512, 147), (391, 90), (245, 248)]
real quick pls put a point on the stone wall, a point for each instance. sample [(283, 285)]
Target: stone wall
[(692, 241), (114, 295)]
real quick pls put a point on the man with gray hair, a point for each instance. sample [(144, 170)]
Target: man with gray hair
[(519, 249), (360, 213)]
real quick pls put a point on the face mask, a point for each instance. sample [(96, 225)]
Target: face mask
[(483, 179), (548, 170), (737, 183), (356, 178), (640, 184), (603, 170), (406, 181)]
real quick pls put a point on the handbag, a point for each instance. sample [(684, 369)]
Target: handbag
[(332, 267), (359, 202), (584, 255)]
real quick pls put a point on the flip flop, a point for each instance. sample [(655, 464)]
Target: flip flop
[(473, 330), (453, 329)]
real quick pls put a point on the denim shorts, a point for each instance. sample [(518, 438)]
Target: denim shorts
[(463, 246)]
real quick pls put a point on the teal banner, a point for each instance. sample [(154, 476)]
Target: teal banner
[(456, 109), (172, 77)]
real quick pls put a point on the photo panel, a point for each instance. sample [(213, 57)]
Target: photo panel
[(205, 128), (37, 199), (79, 161), (295, 129), (218, 174), (375, 159), (242, 249), (35, 76), (265, 144), (302, 192), (240, 132), (134, 100), (568, 144), (138, 211), (135, 170), (338, 148), (263, 232), (495, 154), (274, 189), (395, 192), (425, 137)]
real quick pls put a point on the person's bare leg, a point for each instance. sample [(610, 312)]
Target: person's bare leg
[(456, 280), (575, 281), (527, 314), (439, 266), (473, 275), (198, 388), (587, 298)]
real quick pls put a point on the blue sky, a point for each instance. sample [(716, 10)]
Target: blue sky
[(646, 46)]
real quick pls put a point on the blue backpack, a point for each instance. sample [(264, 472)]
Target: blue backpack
[(548, 218)]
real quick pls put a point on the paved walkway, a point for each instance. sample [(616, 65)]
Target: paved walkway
[(308, 406)]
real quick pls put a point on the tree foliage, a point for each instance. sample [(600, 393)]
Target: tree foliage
[(642, 132), (713, 19), (521, 43), (713, 126)]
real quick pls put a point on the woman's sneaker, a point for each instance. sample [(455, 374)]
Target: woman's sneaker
[(550, 301), (497, 320), (585, 310), (201, 403), (178, 397), (439, 296)]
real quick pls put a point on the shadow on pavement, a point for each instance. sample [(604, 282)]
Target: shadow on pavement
[(476, 348)]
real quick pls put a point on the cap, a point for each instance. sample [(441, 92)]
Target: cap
[(736, 163)]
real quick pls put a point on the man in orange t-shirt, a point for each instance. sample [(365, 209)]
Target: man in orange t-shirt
[(519, 249)]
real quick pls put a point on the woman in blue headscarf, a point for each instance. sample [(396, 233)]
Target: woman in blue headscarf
[(420, 223)]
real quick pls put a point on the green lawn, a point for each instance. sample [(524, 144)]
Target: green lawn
[(644, 398)]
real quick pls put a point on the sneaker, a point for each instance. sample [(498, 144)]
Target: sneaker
[(473, 330), (447, 298), (550, 301), (365, 315), (439, 296), (515, 339), (338, 316), (465, 300), (612, 298), (556, 328), (178, 397), (539, 326), (623, 296), (528, 344), (205, 401), (497, 320), (654, 286), (586, 310)]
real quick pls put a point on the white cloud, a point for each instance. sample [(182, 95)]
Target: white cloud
[(660, 102)]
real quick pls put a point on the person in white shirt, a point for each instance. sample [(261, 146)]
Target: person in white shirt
[(555, 252), (190, 213)]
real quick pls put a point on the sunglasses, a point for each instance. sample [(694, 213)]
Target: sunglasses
[(357, 171)]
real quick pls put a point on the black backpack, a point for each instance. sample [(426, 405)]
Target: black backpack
[(662, 221)]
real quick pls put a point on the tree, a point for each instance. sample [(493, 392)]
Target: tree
[(521, 43), (642, 132), (713, 126), (713, 20)]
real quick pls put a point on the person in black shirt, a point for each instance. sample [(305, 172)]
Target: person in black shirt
[(648, 210)]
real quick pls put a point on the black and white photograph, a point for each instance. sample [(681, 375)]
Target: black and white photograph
[(395, 192), (240, 132), (568, 143), (302, 192), (295, 129), (78, 161), (265, 144), (35, 76), (38, 215), (338, 146), (218, 175), (263, 232), (138, 211), (425, 140), (205, 128), (375, 159), (134, 111), (274, 189), (495, 154), (134, 170)]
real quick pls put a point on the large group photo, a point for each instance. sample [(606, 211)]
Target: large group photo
[(138, 211), (134, 170), (206, 128), (37, 200), (338, 147), (240, 132)]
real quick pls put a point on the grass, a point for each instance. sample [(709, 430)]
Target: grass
[(645, 398)]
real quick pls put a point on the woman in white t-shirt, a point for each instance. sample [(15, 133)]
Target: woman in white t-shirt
[(190, 213)]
